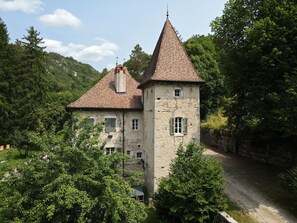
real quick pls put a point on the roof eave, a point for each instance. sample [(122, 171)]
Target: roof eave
[(142, 85), (102, 109)]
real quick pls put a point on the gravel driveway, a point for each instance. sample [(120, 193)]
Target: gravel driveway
[(254, 186)]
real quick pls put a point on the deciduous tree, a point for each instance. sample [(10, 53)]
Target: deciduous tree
[(72, 181), (204, 57), (193, 190), (257, 41)]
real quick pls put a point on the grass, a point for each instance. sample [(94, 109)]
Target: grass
[(9, 159), (237, 213), (215, 121)]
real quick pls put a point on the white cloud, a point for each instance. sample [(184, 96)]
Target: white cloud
[(27, 6), (60, 17), (86, 54)]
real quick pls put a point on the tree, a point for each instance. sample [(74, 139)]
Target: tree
[(257, 41), (72, 181), (193, 190), (138, 62), (4, 84), (32, 79), (204, 57)]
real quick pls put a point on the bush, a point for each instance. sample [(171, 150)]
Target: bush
[(289, 180), (193, 190)]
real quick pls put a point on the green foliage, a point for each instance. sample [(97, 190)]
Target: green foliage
[(4, 73), (204, 57), (138, 62), (35, 86), (71, 181), (257, 42), (68, 75), (215, 121), (289, 180), (193, 190)]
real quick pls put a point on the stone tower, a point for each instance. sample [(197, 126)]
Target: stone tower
[(170, 92)]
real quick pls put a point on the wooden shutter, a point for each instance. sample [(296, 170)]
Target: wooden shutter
[(185, 126), (171, 126)]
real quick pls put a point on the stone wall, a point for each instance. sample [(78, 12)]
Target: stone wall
[(133, 139), (224, 140), (160, 105)]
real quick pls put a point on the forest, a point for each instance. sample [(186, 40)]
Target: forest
[(249, 63)]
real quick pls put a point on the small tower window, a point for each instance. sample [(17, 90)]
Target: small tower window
[(177, 92)]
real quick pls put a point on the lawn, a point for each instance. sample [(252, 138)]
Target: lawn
[(11, 158)]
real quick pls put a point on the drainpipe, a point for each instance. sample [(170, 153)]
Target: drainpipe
[(123, 149)]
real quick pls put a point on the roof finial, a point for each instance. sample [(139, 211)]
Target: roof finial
[(117, 61), (167, 14)]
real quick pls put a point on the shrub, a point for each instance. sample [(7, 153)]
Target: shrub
[(289, 180), (193, 190)]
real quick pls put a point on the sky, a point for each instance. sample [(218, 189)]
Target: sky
[(97, 32)]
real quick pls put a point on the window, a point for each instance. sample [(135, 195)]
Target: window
[(109, 150), (110, 125), (178, 126), (135, 124), (177, 92), (88, 122), (139, 155), (128, 152)]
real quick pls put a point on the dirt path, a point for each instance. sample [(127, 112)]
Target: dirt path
[(254, 186)]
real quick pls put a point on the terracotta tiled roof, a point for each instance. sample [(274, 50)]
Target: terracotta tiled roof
[(170, 61), (103, 95)]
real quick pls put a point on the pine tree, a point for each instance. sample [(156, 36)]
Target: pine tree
[(31, 93), (4, 84)]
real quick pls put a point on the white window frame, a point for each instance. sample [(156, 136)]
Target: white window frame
[(178, 89), (110, 117), (110, 150), (178, 126), (135, 124)]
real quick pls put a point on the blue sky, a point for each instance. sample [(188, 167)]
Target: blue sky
[(98, 31)]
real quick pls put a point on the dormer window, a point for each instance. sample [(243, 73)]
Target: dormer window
[(177, 93)]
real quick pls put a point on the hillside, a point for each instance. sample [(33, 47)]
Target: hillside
[(67, 74)]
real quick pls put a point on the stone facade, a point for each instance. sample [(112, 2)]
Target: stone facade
[(160, 106), (130, 140), (165, 103)]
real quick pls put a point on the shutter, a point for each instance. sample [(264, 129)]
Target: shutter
[(185, 126), (171, 126)]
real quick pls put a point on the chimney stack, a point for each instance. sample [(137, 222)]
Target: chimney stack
[(120, 79)]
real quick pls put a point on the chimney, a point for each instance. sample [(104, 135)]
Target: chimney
[(120, 79)]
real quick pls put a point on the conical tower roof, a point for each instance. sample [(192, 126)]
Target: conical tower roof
[(170, 61)]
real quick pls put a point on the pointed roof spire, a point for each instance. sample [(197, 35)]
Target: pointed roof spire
[(167, 14), (170, 61)]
